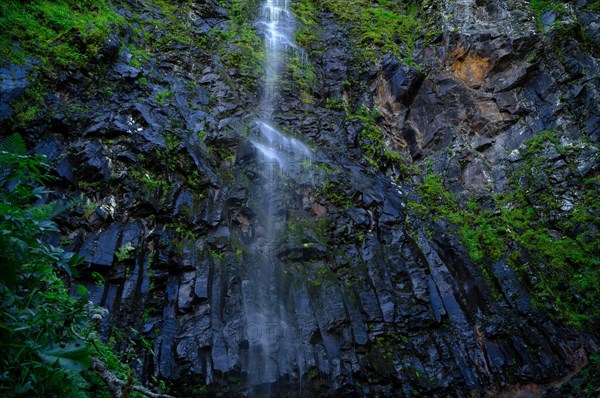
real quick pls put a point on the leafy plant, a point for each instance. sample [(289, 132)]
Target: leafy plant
[(48, 337), (88, 209), (372, 142), (541, 6), (337, 104), (41, 357), (242, 49), (554, 251), (59, 32), (302, 75), (332, 194), (74, 356), (217, 255), (306, 11), (124, 252), (163, 96), (382, 27)]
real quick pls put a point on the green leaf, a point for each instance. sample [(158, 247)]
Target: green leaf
[(73, 357), (14, 144), (38, 192), (8, 271), (47, 226), (24, 388), (81, 290)]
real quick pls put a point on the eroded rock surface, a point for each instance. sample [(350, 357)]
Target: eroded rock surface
[(378, 302)]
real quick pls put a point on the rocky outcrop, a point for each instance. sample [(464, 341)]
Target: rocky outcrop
[(377, 301)]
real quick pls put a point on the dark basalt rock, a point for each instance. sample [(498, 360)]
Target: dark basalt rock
[(376, 300), (404, 81), (112, 45), (14, 80), (99, 248), (91, 161)]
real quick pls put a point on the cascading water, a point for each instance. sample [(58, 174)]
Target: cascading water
[(277, 24), (272, 349)]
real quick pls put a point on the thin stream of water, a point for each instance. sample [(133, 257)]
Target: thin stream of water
[(272, 351)]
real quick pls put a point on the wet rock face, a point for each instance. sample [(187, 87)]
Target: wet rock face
[(491, 88), (13, 82), (377, 302)]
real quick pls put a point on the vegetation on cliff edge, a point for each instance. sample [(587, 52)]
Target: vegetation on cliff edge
[(552, 244), (62, 32), (48, 336)]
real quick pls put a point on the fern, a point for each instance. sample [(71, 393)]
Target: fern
[(14, 144), (53, 209), (18, 168), (11, 148)]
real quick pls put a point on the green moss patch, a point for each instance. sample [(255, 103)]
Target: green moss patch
[(554, 249), (62, 32)]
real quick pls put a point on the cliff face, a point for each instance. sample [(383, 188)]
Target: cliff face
[(388, 285)]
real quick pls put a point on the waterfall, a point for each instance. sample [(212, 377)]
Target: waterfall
[(277, 24), (273, 350)]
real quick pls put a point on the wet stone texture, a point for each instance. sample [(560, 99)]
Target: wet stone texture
[(371, 300)]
